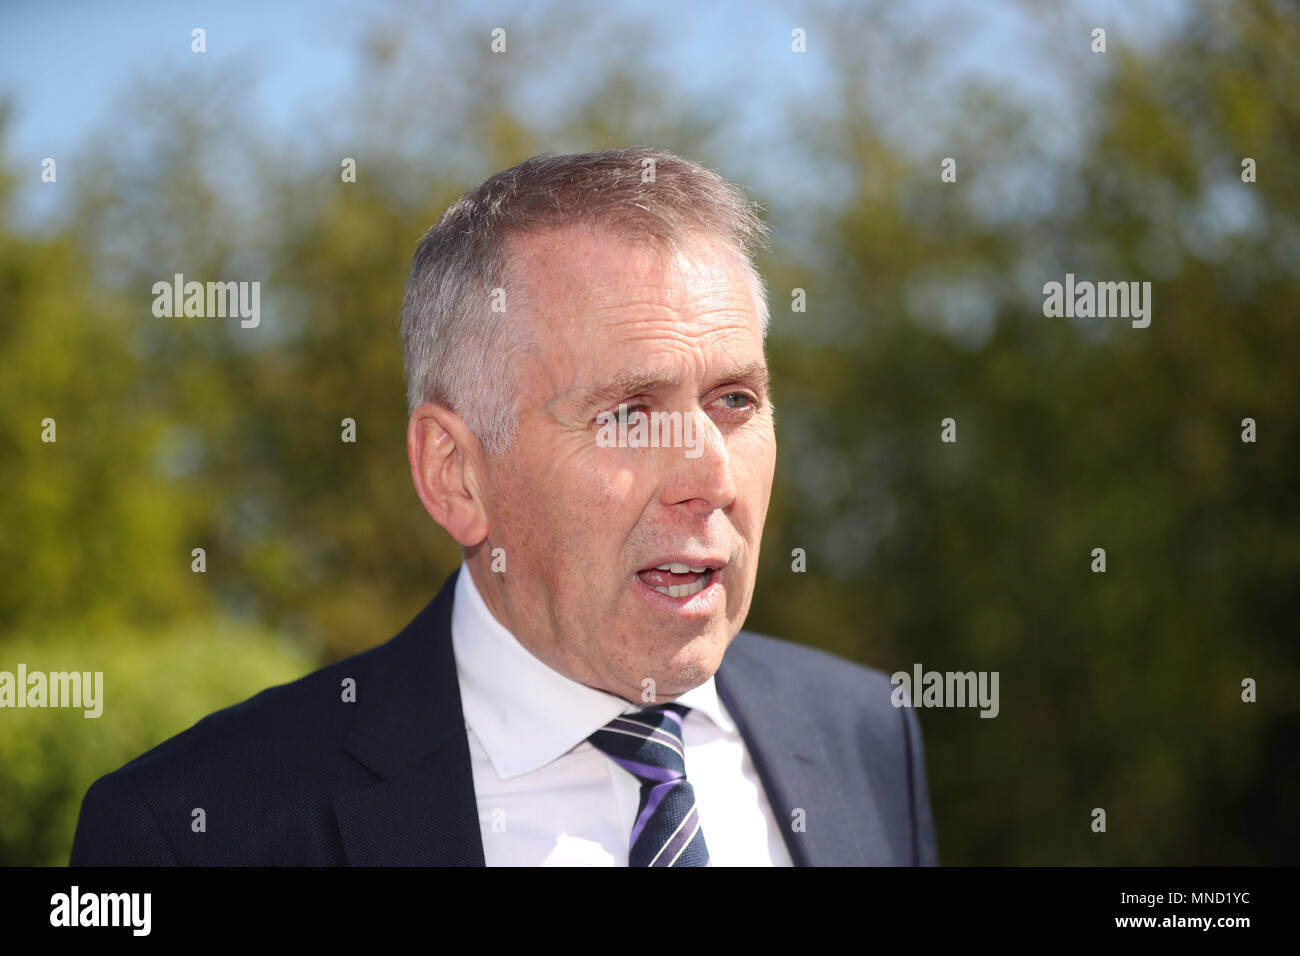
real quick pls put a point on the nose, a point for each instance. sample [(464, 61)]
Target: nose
[(701, 475)]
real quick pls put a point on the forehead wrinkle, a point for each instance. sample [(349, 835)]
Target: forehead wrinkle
[(641, 378), (628, 301), (633, 308), (675, 334), (636, 381), (631, 382), (624, 289)]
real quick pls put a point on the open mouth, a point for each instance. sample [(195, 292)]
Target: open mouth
[(678, 580)]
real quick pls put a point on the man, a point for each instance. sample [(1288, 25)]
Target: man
[(591, 420)]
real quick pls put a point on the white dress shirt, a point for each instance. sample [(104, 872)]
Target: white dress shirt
[(548, 797)]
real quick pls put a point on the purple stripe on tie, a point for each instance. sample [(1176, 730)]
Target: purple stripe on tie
[(643, 770), (657, 794), (678, 843), (649, 733)]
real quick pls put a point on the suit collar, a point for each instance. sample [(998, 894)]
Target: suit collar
[(410, 732), (798, 773)]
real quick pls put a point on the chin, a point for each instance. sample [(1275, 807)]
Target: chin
[(692, 665)]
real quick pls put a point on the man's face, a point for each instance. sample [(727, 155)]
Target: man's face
[(585, 524)]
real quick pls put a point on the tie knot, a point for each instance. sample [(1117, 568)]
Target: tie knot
[(647, 743)]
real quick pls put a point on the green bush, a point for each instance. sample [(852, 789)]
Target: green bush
[(155, 685)]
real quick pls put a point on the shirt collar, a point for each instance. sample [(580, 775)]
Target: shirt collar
[(523, 712)]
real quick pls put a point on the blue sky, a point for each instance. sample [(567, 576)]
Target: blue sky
[(66, 65)]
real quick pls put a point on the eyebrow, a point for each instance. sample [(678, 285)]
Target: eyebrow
[(639, 381)]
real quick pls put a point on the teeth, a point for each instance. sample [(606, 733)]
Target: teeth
[(679, 568), (685, 590)]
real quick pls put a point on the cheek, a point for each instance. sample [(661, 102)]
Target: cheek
[(529, 511), (574, 509), (754, 461), (612, 487), (603, 479)]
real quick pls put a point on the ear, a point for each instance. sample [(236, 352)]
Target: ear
[(446, 463)]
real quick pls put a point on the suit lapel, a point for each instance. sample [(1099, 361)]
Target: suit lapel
[(409, 731), (797, 772)]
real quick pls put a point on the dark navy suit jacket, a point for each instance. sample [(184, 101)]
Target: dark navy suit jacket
[(297, 776)]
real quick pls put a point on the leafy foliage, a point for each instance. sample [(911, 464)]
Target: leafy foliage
[(1119, 690)]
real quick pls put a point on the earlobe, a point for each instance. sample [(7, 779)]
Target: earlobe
[(444, 458)]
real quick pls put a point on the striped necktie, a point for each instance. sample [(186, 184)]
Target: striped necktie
[(648, 745)]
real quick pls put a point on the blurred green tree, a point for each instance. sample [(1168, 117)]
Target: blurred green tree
[(1119, 690)]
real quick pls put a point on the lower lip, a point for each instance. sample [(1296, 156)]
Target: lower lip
[(702, 604)]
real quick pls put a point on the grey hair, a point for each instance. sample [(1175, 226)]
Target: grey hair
[(458, 351)]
